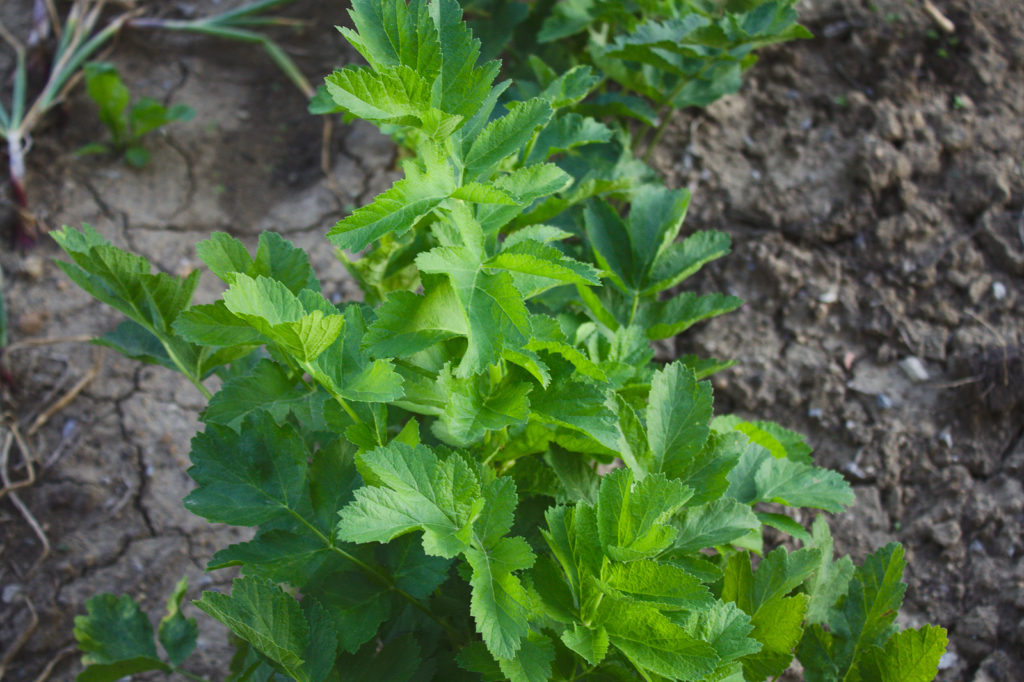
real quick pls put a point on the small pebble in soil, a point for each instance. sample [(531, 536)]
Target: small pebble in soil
[(945, 437), (11, 592), (914, 369), (815, 413), (998, 290), (948, 660), (977, 547), (884, 401)]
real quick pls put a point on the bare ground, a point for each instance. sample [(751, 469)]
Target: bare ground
[(871, 179)]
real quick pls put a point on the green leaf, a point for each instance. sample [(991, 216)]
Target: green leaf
[(476, 406), (148, 114), (539, 267), (408, 323), (778, 626), (389, 33), (395, 211), (297, 323), (249, 477), (346, 370), (492, 307), (778, 574), (876, 591), (713, 524), (274, 623), (567, 132), (667, 318), (387, 94), (105, 88), (116, 639), (725, 627), (136, 156), (664, 586), (831, 579), (499, 604), (276, 258), (215, 325), (266, 386), (908, 656), (462, 86), (123, 280), (573, 538), (578, 406), (654, 643), (678, 414), (177, 634), (681, 260), (505, 136), (411, 489), (759, 477), (590, 643), (632, 518), (532, 663)]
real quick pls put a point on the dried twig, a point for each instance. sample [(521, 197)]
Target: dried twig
[(940, 19), (63, 402), (13, 650), (26, 455), (36, 342), (61, 655)]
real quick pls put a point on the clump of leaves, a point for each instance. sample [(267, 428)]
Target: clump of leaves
[(421, 470), (127, 123)]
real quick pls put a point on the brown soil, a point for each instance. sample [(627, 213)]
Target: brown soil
[(871, 179)]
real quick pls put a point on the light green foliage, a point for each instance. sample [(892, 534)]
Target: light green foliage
[(127, 123), (421, 469)]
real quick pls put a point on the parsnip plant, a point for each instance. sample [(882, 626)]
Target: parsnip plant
[(421, 468)]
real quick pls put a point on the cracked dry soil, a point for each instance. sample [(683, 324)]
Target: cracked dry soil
[(870, 178)]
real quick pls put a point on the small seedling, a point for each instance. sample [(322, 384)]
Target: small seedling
[(127, 123)]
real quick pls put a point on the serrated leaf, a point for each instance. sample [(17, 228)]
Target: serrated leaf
[(577, 406), (249, 477), (908, 656), (462, 86), (273, 622), (574, 541), (264, 387), (354, 604), (654, 643), (215, 325), (475, 406), (567, 132), (831, 579), (407, 323), (386, 94), (712, 524), (682, 259), (116, 639), (276, 258), (499, 604), (778, 626), (664, 586), (678, 413), (278, 555), (778, 574), (532, 662), (411, 489), (299, 325), (177, 634), (632, 517), (345, 370), (390, 33), (590, 643), (536, 265), (396, 210), (493, 309), (874, 598), (674, 316), (725, 627), (505, 136), (759, 477)]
